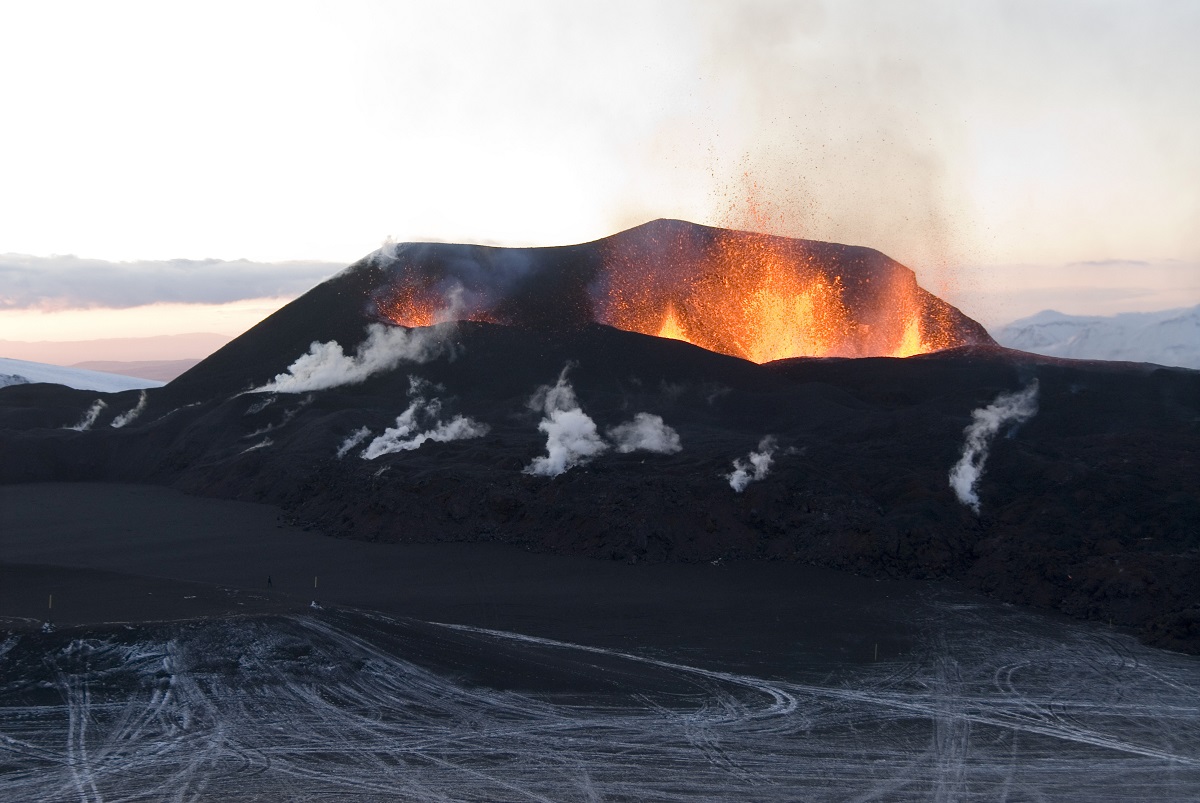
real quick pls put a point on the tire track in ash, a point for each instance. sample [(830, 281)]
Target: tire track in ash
[(346, 704), (513, 710)]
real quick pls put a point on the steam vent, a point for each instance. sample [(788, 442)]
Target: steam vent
[(747, 295)]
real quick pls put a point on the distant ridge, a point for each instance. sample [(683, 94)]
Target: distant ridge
[(195, 345), (23, 372), (158, 370), (1169, 337)]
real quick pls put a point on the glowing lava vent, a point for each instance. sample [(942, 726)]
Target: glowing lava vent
[(749, 295)]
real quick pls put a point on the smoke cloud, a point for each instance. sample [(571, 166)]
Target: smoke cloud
[(89, 417), (1008, 408), (755, 467), (409, 432), (571, 436), (646, 432), (353, 439), (326, 365), (128, 417)]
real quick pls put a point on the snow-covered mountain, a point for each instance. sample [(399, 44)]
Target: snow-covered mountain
[(20, 372), (1170, 337)]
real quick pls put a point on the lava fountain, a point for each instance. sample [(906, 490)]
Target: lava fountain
[(754, 296)]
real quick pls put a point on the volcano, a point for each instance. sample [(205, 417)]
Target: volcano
[(674, 393), (738, 293)]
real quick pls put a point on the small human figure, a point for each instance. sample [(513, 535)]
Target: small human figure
[(269, 583)]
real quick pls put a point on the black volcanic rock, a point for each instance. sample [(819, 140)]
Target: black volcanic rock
[(1089, 507)]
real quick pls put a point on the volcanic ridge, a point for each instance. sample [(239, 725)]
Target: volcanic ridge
[(674, 393)]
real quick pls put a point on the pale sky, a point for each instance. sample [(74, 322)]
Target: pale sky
[(1012, 153)]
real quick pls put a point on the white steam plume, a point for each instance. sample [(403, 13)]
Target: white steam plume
[(1008, 408), (327, 366), (126, 418), (400, 440), (89, 417), (259, 406), (755, 467), (408, 433), (646, 432), (387, 253), (264, 443), (284, 420), (353, 439), (571, 437)]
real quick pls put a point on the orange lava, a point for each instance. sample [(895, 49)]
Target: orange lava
[(410, 305), (753, 296), (759, 298), (415, 302)]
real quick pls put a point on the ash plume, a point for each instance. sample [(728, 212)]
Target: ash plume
[(128, 417), (571, 436), (1008, 408), (326, 365), (755, 467), (646, 432), (90, 416), (409, 432), (353, 439)]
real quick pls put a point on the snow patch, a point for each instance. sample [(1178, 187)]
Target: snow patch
[(21, 372), (1169, 337)]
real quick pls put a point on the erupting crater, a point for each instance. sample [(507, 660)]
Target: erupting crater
[(754, 296)]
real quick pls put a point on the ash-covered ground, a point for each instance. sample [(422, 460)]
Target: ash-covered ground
[(988, 705), (488, 672)]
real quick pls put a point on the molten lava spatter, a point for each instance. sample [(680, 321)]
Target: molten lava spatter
[(418, 301), (740, 298), (758, 297), (754, 296), (409, 304)]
